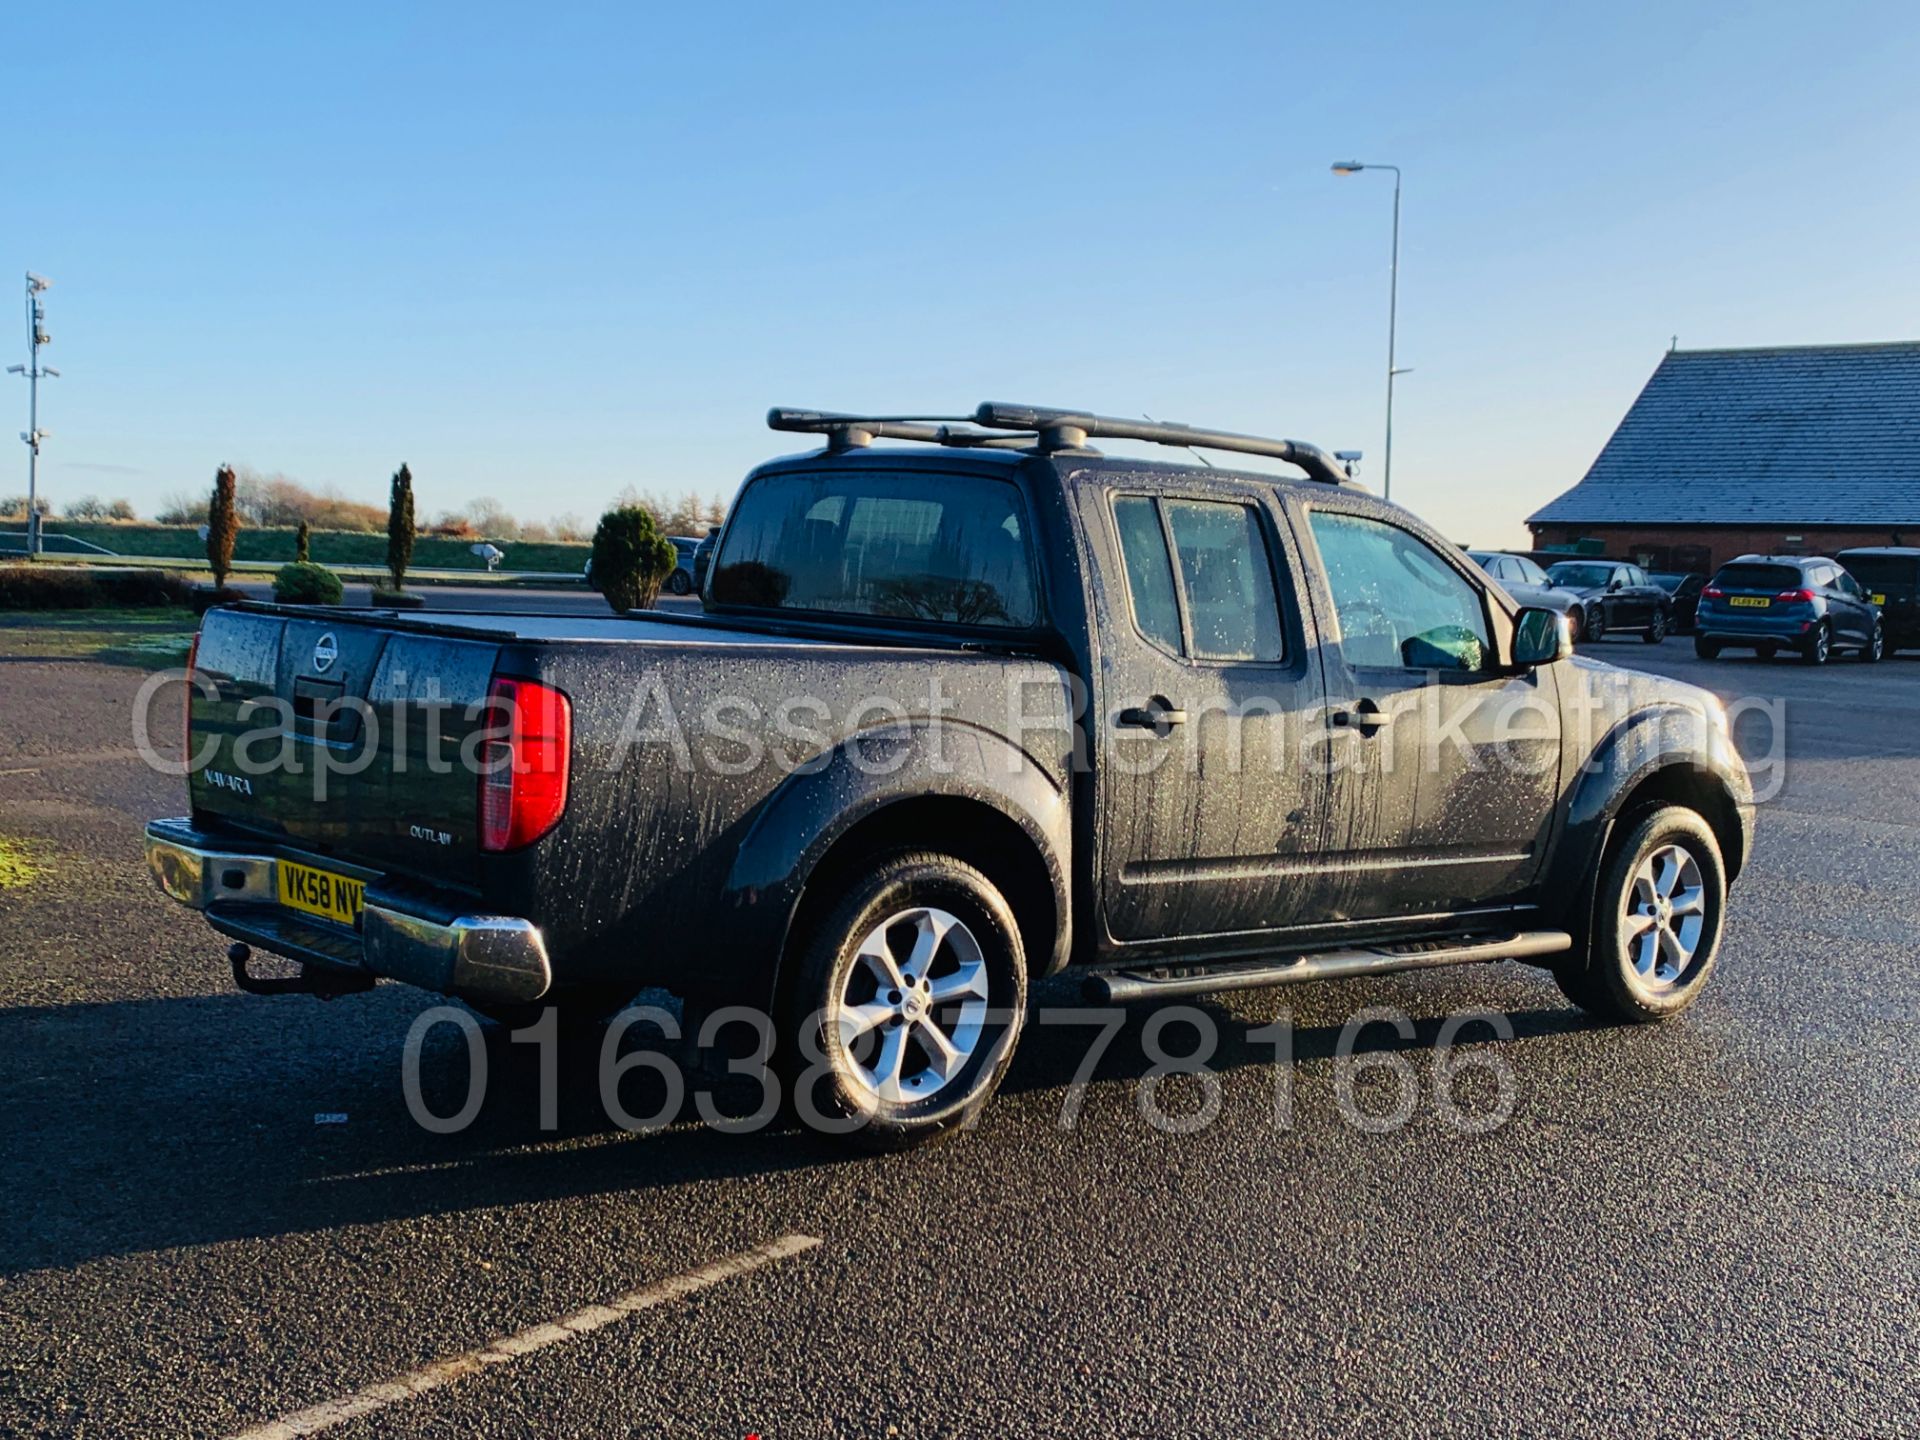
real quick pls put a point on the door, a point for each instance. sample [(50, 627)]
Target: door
[(1447, 773), (1850, 605), (1627, 601), (1655, 601), (1207, 679)]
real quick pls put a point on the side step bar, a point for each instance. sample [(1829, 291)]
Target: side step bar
[(1117, 987)]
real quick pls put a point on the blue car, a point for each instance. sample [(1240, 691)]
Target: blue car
[(1770, 603)]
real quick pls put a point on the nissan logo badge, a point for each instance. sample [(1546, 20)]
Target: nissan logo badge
[(326, 650)]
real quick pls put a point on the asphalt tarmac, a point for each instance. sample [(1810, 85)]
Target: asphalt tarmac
[(220, 1212)]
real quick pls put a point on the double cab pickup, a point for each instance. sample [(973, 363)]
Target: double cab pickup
[(969, 702)]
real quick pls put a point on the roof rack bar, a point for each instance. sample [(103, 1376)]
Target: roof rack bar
[(1071, 429), (856, 432)]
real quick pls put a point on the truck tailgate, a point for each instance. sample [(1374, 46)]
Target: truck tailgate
[(342, 736)]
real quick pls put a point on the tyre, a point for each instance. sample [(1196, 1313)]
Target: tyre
[(679, 583), (1706, 649), (910, 995), (1596, 626), (1819, 645), (1657, 918), (1876, 648), (1576, 623), (1657, 631)]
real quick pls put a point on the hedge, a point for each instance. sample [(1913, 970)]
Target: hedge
[(306, 584), (41, 586), (330, 547)]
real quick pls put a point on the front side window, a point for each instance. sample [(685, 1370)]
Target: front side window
[(1530, 573), (1225, 578), (1399, 604), (946, 548)]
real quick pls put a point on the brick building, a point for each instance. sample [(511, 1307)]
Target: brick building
[(1791, 450)]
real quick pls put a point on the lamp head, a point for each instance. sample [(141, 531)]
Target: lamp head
[(1347, 167)]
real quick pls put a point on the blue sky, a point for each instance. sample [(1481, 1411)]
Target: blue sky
[(544, 252)]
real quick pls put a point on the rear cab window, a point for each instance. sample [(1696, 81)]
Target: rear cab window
[(945, 548)]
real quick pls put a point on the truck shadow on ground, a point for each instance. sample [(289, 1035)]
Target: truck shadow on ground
[(145, 1125)]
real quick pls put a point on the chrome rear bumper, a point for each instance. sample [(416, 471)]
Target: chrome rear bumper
[(489, 957)]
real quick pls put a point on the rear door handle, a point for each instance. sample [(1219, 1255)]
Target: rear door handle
[(1366, 717), (1158, 715)]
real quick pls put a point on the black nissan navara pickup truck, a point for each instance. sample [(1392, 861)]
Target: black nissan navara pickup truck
[(961, 712)]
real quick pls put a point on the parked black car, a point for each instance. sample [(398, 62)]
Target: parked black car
[(1890, 574), (994, 704), (1770, 603), (1614, 595), (1683, 590), (1528, 583)]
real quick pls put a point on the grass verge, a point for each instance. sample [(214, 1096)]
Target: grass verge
[(146, 639), (18, 866)]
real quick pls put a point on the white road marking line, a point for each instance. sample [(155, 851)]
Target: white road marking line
[(523, 1342)]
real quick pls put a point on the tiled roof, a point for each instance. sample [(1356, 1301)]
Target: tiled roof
[(1800, 435)]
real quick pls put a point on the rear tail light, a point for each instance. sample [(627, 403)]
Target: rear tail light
[(186, 701), (523, 768), (1713, 592), (1804, 596)]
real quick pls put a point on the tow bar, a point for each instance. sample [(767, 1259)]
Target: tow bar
[(326, 984)]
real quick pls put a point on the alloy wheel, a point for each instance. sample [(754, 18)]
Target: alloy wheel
[(1666, 915), (914, 1006)]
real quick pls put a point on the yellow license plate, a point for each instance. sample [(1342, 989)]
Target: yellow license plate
[(1752, 602), (320, 892), (1879, 599)]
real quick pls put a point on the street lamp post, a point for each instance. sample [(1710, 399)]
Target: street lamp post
[(34, 370), (1354, 167)]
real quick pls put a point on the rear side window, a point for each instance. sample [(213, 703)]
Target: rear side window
[(1885, 574), (1225, 578), (1770, 578), (1149, 571), (947, 548)]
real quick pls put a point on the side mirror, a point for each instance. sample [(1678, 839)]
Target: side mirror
[(1540, 637)]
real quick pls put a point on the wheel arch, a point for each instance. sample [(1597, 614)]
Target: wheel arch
[(970, 831), (985, 803), (1664, 754)]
